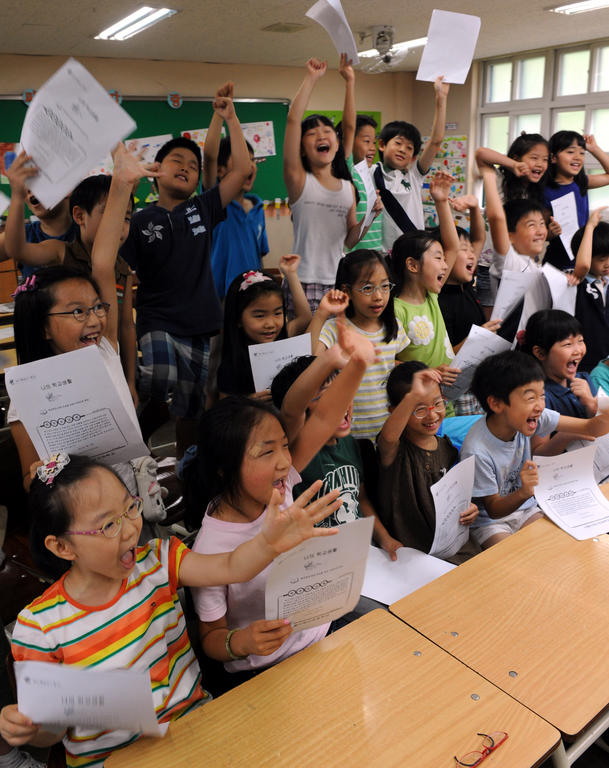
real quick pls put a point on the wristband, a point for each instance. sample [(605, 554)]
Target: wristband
[(231, 632)]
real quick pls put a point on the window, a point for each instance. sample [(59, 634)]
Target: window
[(573, 72), (531, 74)]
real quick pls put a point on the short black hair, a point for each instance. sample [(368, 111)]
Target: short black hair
[(401, 128), (360, 122), (600, 240), (179, 142), (399, 382), (499, 375), (547, 327), (515, 210), (224, 151), (287, 376), (90, 192)]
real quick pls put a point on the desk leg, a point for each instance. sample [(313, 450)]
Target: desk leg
[(559, 757)]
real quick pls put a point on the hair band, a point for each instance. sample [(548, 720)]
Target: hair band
[(29, 284), (251, 277), (48, 471)]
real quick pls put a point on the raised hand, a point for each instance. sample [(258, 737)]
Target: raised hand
[(128, 166), (449, 375), (316, 68), (441, 88), (20, 171), (440, 185), (590, 141), (334, 302), (596, 216), (520, 169), (421, 382), (223, 107), (355, 344), (226, 90), (289, 263), (345, 68)]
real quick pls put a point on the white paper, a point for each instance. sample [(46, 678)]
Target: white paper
[(364, 173), (69, 403), (7, 309), (5, 201), (451, 42), (330, 14), (479, 344), (148, 146), (564, 210), (268, 359), (603, 400), (563, 294), (600, 465), (512, 288), (389, 581), (569, 494), (452, 495), (60, 694), (71, 124), (537, 297), (6, 332), (321, 579), (261, 136)]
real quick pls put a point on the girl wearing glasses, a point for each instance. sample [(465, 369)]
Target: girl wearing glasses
[(115, 605), (364, 277), (412, 457)]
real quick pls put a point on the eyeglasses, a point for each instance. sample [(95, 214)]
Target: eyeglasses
[(490, 742), (112, 527), (421, 412), (100, 310), (369, 290)]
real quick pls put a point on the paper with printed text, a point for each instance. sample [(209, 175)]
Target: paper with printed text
[(564, 210), (479, 344), (452, 495), (268, 359)]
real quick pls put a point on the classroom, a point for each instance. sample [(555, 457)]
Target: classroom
[(318, 352)]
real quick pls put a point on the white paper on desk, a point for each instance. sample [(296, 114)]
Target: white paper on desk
[(569, 494), (364, 173), (268, 359), (60, 694), (389, 581), (321, 579), (563, 294), (451, 42), (330, 14), (69, 403), (5, 201), (512, 288), (71, 124), (564, 210), (479, 344), (452, 495), (600, 465)]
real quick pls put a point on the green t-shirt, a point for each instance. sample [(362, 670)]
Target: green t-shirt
[(374, 236), (424, 326)]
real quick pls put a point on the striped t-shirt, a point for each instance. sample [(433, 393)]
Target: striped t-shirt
[(143, 627), (370, 403), (374, 236)]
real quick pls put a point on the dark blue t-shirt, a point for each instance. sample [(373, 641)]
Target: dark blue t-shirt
[(556, 253), (561, 399), (34, 234)]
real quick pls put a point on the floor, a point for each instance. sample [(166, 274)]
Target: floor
[(592, 758)]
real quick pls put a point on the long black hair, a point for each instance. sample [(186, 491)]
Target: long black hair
[(515, 187), (560, 141), (410, 245), (339, 164)]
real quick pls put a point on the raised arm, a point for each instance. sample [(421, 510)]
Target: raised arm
[(594, 427), (597, 179), (494, 210), (293, 169), (212, 141), (349, 117), (333, 303), (288, 266), (490, 157), (583, 258), (439, 189), (477, 232), (232, 183), (430, 150)]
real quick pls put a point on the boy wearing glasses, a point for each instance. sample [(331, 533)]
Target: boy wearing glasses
[(412, 457), (510, 388)]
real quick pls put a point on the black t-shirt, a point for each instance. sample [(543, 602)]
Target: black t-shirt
[(594, 318), (171, 254), (460, 309)]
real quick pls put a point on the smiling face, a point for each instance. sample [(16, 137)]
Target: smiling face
[(249, 182), (398, 152), (46, 214), (432, 407), (263, 319), (364, 145), (569, 162), (265, 466), (431, 270), (319, 145), (529, 236), (465, 263), (537, 160), (370, 307), (522, 412), (89, 222), (560, 363), (63, 332), (179, 173)]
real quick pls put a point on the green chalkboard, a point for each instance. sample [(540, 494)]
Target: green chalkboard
[(155, 117)]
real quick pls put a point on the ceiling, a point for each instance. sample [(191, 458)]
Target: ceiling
[(230, 31)]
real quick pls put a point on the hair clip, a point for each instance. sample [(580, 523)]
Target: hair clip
[(48, 471), (521, 337), (29, 284), (251, 277)]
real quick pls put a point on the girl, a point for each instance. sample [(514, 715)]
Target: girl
[(365, 278), (116, 604), (243, 460), (567, 174), (524, 167), (320, 191), (254, 313)]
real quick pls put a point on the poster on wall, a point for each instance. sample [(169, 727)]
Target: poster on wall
[(8, 152), (198, 135), (451, 158), (148, 146), (261, 136)]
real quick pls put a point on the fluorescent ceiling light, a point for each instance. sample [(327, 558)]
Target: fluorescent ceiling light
[(581, 7), (401, 47), (136, 22)]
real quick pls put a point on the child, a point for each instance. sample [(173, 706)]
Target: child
[(243, 461), (296, 390), (86, 203), (116, 605), (567, 174), (357, 134), (177, 307), (399, 175), (591, 246), (364, 276), (510, 388), (320, 191), (254, 313), (523, 168), (412, 457)]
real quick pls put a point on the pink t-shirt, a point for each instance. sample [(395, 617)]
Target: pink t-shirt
[(244, 603)]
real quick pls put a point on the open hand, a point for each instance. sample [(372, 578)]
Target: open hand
[(463, 203), (449, 375), (596, 216), (129, 167), (355, 344), (440, 185)]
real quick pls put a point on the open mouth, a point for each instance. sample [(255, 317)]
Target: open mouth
[(181, 176), (128, 558), (346, 422), (280, 484), (572, 367), (90, 338), (323, 148), (532, 423), (431, 426)]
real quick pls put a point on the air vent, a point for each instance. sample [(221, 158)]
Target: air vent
[(286, 27)]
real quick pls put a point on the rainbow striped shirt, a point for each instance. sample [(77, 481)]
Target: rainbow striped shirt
[(143, 627)]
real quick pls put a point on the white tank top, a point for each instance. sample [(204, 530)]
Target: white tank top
[(320, 227)]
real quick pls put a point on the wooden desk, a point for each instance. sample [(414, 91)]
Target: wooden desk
[(531, 616), (360, 697)]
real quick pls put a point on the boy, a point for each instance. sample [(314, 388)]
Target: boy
[(399, 176), (591, 244), (169, 246), (510, 388), (87, 203), (412, 457), (296, 390)]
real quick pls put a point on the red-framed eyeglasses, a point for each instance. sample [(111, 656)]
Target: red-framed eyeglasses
[(490, 742)]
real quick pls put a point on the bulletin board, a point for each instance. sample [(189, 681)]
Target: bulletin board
[(155, 116)]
